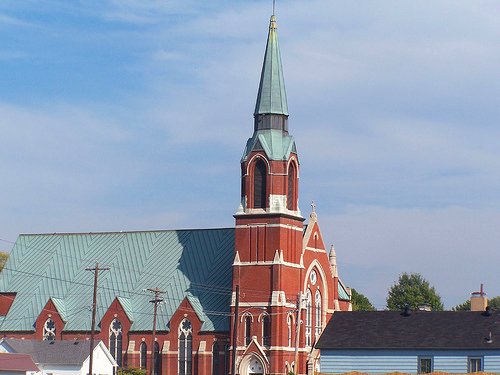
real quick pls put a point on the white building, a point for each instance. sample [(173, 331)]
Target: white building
[(55, 357)]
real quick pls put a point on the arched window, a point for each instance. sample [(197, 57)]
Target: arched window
[(227, 357), (291, 197), (157, 359), (318, 315), (259, 184), (215, 359), (49, 330), (144, 356), (115, 341), (185, 348), (266, 330), (308, 318), (248, 329)]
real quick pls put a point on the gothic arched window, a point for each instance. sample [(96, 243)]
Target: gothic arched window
[(308, 318), (185, 348), (318, 315), (157, 359), (291, 197), (49, 330), (248, 328), (115, 341), (259, 184), (143, 364), (215, 359), (266, 330), (227, 357)]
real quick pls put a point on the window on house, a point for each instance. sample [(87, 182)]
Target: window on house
[(259, 184), (290, 199), (185, 348), (317, 315), (425, 365), (215, 359), (308, 318), (144, 356), (49, 330), (475, 364), (266, 330), (115, 341), (248, 329)]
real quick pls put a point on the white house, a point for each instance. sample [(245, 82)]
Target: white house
[(59, 357)]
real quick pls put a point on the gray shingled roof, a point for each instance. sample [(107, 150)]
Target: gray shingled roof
[(419, 330), (193, 263), (52, 352)]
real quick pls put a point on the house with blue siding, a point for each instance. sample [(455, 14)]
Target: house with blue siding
[(411, 341)]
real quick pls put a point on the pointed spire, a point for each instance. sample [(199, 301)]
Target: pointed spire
[(271, 98)]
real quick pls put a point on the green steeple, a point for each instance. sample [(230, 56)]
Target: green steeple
[(271, 98)]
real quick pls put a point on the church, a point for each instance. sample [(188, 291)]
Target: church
[(251, 299)]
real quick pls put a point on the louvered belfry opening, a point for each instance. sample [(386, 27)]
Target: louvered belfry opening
[(291, 197), (259, 184)]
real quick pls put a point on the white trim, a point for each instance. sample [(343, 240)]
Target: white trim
[(258, 225), (315, 250), (263, 304), (269, 263)]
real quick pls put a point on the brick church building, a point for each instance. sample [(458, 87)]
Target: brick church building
[(252, 299)]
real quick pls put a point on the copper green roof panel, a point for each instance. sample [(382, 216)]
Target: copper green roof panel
[(180, 262), (271, 97), (276, 144), (343, 292)]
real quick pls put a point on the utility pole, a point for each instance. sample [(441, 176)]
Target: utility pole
[(96, 270), (155, 301), (297, 333), (235, 328)]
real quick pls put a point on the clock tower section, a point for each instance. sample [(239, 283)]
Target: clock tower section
[(268, 269)]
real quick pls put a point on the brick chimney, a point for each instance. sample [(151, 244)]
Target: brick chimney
[(478, 300)]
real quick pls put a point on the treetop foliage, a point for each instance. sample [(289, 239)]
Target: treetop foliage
[(494, 303), (360, 302), (3, 259), (413, 290)]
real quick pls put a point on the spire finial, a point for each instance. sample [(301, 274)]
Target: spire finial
[(274, 4), (313, 206)]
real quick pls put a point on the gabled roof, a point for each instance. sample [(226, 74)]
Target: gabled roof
[(419, 330), (61, 352), (271, 98), (17, 362), (43, 266)]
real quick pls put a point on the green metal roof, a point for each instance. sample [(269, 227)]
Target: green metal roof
[(343, 292), (193, 263), (271, 97), (276, 144)]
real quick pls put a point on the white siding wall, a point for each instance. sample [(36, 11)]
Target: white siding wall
[(492, 363), (382, 361)]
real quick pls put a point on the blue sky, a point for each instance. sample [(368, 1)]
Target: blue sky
[(133, 115)]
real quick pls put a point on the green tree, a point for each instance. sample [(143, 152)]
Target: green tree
[(494, 303), (360, 302), (413, 290), (3, 259)]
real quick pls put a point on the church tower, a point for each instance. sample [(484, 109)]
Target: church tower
[(285, 286)]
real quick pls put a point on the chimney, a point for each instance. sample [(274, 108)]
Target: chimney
[(478, 300)]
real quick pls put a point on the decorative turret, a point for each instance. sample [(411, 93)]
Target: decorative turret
[(333, 261)]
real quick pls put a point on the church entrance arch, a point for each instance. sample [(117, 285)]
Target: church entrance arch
[(252, 365)]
